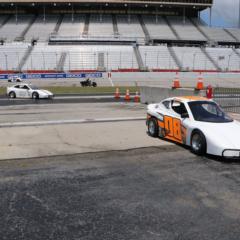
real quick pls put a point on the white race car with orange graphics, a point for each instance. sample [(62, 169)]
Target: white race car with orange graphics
[(196, 122)]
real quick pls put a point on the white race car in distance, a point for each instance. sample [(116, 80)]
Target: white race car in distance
[(14, 79), (28, 91), (196, 122)]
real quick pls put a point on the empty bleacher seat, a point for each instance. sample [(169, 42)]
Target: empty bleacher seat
[(157, 57), (72, 25), (192, 58), (15, 26), (185, 29), (41, 29), (158, 28), (129, 26), (100, 25), (11, 55)]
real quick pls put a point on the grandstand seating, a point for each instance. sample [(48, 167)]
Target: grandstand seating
[(192, 58), (225, 58), (158, 28), (84, 57), (72, 27), (14, 27), (116, 57), (41, 29), (214, 34), (235, 32), (157, 57), (16, 53), (185, 29), (129, 26), (100, 25), (43, 57), (11, 55)]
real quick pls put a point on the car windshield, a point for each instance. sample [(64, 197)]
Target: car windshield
[(34, 87), (206, 111)]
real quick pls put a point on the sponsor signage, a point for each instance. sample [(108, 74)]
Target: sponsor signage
[(52, 75)]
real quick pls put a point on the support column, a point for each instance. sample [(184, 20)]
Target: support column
[(156, 15), (239, 15), (44, 13), (72, 13), (184, 15), (210, 16), (16, 14)]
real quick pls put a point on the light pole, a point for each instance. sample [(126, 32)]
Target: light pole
[(183, 59), (132, 61), (31, 63), (169, 62), (194, 58), (205, 63), (44, 64), (18, 58), (145, 59), (157, 58), (107, 61), (120, 60), (56, 60), (69, 62), (229, 57), (95, 65), (6, 60)]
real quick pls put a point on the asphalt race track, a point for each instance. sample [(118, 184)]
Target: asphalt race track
[(4, 101), (87, 170), (153, 193)]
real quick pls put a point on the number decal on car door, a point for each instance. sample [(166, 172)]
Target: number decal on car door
[(172, 128)]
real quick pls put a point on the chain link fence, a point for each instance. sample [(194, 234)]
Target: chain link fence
[(228, 98)]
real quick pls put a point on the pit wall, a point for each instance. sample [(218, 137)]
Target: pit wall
[(157, 94)]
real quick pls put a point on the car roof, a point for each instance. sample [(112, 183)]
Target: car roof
[(188, 99)]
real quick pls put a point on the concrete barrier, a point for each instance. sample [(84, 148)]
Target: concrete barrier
[(157, 94)]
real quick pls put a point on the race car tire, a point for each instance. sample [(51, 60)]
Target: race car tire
[(12, 95), (198, 143), (94, 84), (153, 129), (35, 95)]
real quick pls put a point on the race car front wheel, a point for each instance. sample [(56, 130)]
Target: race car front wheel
[(35, 95), (198, 143), (12, 95), (153, 129)]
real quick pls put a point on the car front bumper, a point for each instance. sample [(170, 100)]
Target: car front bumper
[(231, 153)]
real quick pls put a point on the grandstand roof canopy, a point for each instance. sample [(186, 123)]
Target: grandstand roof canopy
[(199, 3)]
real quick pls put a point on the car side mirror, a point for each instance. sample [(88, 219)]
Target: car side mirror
[(184, 115)]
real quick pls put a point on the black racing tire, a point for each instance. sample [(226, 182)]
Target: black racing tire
[(94, 84), (35, 95), (12, 95), (198, 143), (153, 129)]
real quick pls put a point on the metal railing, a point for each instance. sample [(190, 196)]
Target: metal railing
[(228, 98)]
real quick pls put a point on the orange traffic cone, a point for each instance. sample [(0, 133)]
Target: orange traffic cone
[(200, 82), (127, 96), (137, 97), (176, 82), (117, 93)]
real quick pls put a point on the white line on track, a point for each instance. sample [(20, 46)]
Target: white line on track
[(63, 97), (74, 121)]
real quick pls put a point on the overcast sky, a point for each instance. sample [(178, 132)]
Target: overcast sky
[(225, 13)]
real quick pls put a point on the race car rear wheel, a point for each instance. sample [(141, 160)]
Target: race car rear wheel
[(12, 95), (198, 143), (153, 129), (35, 95)]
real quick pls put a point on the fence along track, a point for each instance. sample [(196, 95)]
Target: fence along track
[(228, 98)]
